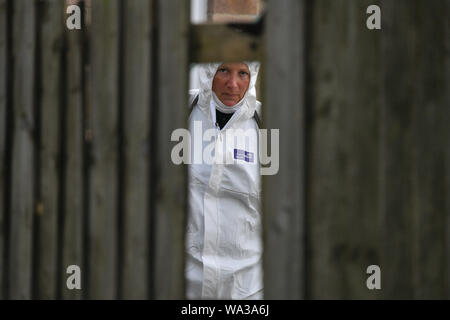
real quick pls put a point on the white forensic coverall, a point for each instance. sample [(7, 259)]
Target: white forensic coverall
[(223, 239)]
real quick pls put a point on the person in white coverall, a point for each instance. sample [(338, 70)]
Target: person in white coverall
[(223, 239)]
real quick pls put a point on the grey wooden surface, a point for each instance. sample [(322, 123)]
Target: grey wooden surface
[(343, 230), (283, 200), (103, 214), (377, 161), (23, 150), (50, 94), (3, 101), (217, 42), (137, 94), (170, 179), (414, 150), (73, 224)]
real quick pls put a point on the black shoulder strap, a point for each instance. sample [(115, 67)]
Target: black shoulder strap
[(193, 103), (258, 119)]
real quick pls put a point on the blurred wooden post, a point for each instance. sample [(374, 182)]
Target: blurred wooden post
[(446, 137), (170, 184), (103, 235), (73, 207), (283, 201), (3, 101), (51, 44), (414, 154), (343, 230), (23, 165), (216, 42), (137, 45)]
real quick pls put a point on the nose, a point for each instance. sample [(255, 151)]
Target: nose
[(232, 82)]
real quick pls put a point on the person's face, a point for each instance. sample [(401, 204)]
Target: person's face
[(231, 82)]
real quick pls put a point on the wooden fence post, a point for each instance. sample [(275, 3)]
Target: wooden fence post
[(343, 229), (283, 200), (137, 94), (414, 154), (23, 160), (3, 102), (103, 235), (170, 185), (50, 83), (74, 207)]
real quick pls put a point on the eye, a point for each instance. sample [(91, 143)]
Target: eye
[(223, 70), (243, 73)]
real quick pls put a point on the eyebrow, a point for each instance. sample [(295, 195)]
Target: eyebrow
[(226, 66)]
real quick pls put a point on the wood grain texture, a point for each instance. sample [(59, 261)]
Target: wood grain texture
[(103, 237), (137, 47), (170, 184), (446, 136), (51, 45), (22, 193), (214, 42), (415, 147), (283, 200), (73, 207), (343, 147), (3, 107)]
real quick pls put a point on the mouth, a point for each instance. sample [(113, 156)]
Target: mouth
[(230, 96)]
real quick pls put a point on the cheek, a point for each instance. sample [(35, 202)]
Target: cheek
[(214, 85), (244, 86), (217, 84)]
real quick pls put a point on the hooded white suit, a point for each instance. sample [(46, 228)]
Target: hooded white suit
[(223, 240)]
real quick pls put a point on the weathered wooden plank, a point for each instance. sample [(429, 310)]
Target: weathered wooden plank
[(432, 204), (22, 194), (415, 139), (3, 102), (136, 129), (170, 185), (215, 42), (396, 152), (73, 207), (51, 24), (104, 43), (446, 119), (283, 199), (343, 145)]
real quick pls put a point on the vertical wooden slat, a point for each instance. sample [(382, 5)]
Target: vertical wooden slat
[(415, 139), (3, 79), (72, 240), (136, 109), (22, 207), (51, 24), (446, 119), (104, 172), (170, 206), (343, 143), (396, 152), (283, 200), (432, 105)]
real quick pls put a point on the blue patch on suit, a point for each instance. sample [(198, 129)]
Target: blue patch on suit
[(243, 155)]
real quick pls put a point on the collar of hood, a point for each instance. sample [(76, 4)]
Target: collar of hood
[(224, 108), (247, 105)]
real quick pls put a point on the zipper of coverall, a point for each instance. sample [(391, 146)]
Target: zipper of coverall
[(214, 120)]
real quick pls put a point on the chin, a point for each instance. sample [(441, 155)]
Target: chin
[(229, 103)]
